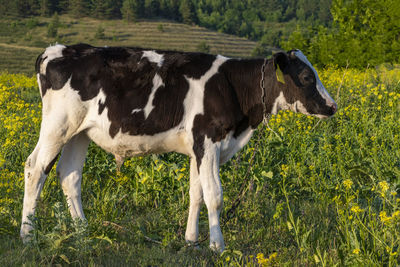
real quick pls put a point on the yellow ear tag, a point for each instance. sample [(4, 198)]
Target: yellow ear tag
[(279, 75)]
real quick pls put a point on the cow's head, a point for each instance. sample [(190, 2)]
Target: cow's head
[(299, 87)]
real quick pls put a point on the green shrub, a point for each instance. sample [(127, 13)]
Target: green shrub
[(203, 47), (100, 33)]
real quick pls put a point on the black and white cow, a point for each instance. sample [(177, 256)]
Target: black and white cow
[(132, 102)]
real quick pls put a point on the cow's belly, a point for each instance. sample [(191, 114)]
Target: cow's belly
[(125, 145), (230, 145)]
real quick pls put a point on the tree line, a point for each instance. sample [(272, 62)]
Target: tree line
[(246, 18), (363, 33), (357, 33)]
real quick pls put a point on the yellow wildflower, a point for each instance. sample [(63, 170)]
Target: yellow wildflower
[(384, 186), (347, 183), (356, 209), (384, 218)]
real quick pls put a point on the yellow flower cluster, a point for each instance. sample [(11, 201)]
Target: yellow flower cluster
[(385, 219), (266, 261), (347, 184), (356, 209), (19, 124)]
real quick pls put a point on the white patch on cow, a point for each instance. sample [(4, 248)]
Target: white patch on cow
[(154, 57), (194, 101), (157, 83), (230, 145), (136, 110), (212, 191), (101, 97), (299, 107), (280, 103), (196, 200), (64, 107), (125, 145), (320, 87), (49, 54), (69, 170)]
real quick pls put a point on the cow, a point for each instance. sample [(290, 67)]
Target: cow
[(133, 102)]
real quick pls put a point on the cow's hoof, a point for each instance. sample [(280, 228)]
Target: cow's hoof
[(193, 244), (217, 247), (25, 233)]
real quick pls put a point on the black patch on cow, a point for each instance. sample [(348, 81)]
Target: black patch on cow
[(241, 126), (229, 100), (101, 107), (44, 84), (50, 165), (127, 80), (198, 145)]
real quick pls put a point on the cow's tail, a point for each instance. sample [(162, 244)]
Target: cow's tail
[(39, 61), (42, 80)]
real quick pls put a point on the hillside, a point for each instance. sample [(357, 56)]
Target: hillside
[(21, 41)]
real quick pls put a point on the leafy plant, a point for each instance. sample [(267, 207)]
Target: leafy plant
[(100, 33), (52, 28), (203, 47)]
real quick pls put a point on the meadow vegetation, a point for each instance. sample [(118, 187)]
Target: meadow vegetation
[(322, 192)]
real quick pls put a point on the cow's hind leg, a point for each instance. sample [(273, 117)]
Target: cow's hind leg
[(212, 191), (196, 200), (69, 169), (37, 167)]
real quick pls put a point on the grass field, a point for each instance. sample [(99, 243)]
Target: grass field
[(323, 193), (21, 41)]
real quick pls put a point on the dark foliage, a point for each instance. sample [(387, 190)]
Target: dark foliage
[(247, 18)]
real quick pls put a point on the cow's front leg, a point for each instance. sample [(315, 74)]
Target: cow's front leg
[(212, 191)]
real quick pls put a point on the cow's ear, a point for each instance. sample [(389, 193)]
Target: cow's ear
[(292, 54), (281, 61)]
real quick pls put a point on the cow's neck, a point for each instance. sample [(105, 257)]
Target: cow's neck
[(245, 76)]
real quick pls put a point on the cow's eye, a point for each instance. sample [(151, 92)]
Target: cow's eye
[(307, 78)]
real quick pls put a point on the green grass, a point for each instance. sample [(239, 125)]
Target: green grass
[(21, 41), (321, 192)]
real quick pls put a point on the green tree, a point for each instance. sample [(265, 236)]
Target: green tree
[(186, 10), (78, 8), (23, 8), (151, 8), (131, 10), (61, 6), (364, 32), (52, 28), (45, 8), (372, 25), (98, 8)]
